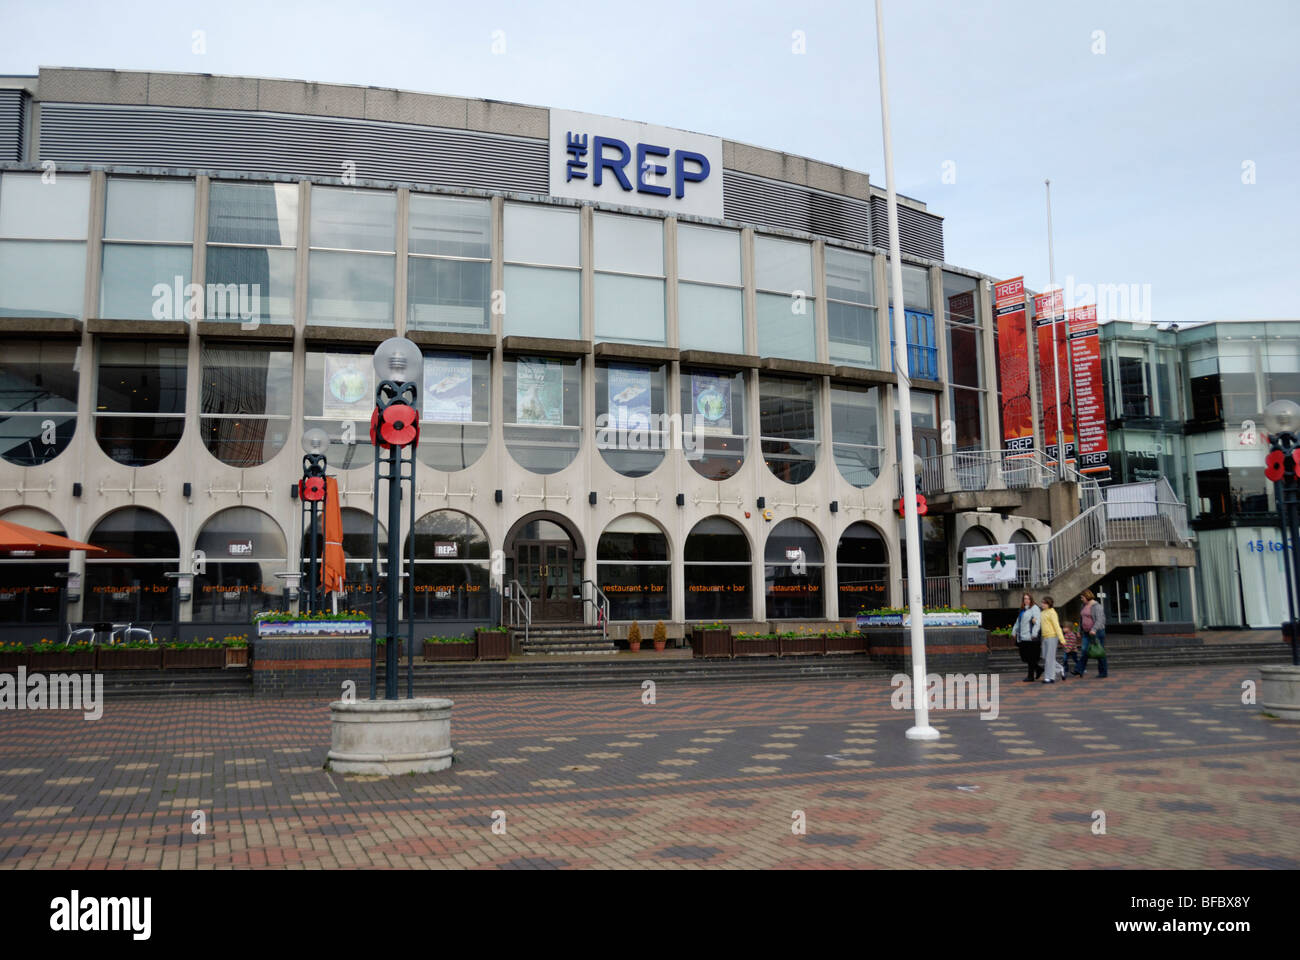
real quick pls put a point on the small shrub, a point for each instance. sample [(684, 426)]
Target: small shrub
[(634, 633)]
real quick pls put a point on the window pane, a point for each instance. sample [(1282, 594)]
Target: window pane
[(629, 244), (131, 273), (916, 287), (788, 414), (32, 209), (790, 535), (629, 308), (138, 441), (29, 440), (42, 279), (959, 298), (265, 214), (636, 591), (542, 303), (456, 410), (537, 234), (855, 430), (29, 592), (157, 210), (714, 540), (849, 276), (339, 397), (964, 350), (241, 386), (343, 219), (447, 294), (717, 592), (250, 283), (968, 413), (630, 399), (137, 377), (784, 265), (796, 596), (543, 411), (37, 376), (450, 226), (713, 408), (350, 289), (710, 318), (852, 332), (782, 332), (708, 254)]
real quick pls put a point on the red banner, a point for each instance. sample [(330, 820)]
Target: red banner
[(1089, 397), (1049, 323), (1013, 365)]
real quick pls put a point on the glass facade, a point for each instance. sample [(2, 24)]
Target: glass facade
[(785, 302), (339, 398), (788, 422), (38, 399), (631, 433), (452, 567), (543, 411), (129, 582), (43, 227), (243, 550), (251, 253), (862, 569), (715, 402), (449, 263), (148, 250), (794, 572), (139, 400), (456, 409), (710, 304), (351, 271), (629, 282), (850, 307), (543, 291), (855, 433), (633, 571), (717, 572), (246, 401)]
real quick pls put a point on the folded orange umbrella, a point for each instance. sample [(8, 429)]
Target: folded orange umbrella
[(334, 566), (14, 536)]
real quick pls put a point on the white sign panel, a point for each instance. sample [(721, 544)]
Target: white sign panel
[(604, 160), (995, 564)]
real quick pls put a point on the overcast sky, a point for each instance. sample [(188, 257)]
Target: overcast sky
[(1142, 113)]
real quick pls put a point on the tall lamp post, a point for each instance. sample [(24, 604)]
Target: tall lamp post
[(1282, 466), (395, 433), (311, 492)]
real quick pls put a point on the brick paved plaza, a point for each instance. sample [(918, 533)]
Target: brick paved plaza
[(709, 776)]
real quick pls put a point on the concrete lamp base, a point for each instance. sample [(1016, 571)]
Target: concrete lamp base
[(390, 737), (1279, 691)]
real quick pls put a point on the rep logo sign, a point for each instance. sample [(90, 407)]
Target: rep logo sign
[(600, 159)]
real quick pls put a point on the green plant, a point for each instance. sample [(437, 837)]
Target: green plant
[(715, 625), (634, 633), (493, 629), (208, 644), (894, 611), (282, 616), (12, 646), (661, 633), (461, 639), (235, 640)]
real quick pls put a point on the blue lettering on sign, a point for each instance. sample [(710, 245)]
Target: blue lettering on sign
[(575, 167), (598, 145), (688, 166)]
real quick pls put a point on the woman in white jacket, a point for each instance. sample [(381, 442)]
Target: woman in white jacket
[(1025, 633)]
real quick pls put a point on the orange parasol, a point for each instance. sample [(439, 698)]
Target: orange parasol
[(14, 536), (334, 566)]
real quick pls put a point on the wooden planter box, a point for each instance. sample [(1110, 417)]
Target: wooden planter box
[(451, 651), (194, 658), (756, 646), (853, 643), (116, 658), (381, 651), (492, 644), (802, 646), (236, 656), (13, 660), (710, 643), (82, 660)]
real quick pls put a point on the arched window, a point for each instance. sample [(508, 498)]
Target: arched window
[(243, 551), (632, 569), (630, 404), (29, 581), (1028, 562), (787, 413), (452, 563), (38, 399), (717, 571), (713, 421), (247, 398), (542, 406), (455, 409), (358, 538), (140, 400), (973, 537), (339, 398), (862, 569), (129, 582), (794, 564), (855, 433)]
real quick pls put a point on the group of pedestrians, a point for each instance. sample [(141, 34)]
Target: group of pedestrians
[(1038, 633)]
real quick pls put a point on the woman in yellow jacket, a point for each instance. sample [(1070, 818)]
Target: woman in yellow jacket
[(1052, 635)]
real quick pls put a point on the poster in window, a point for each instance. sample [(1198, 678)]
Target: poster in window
[(449, 388), (349, 392), (711, 402), (539, 392), (629, 397)]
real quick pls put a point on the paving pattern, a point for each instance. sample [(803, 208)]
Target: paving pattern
[(1181, 773)]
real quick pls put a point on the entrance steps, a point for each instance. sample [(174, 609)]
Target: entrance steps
[(562, 638)]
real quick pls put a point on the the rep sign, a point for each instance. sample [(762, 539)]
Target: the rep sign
[(601, 159)]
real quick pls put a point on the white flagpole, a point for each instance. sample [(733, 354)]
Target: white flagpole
[(911, 522), (1056, 359)]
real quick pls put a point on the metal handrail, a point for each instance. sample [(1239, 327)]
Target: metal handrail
[(600, 603), (520, 607)]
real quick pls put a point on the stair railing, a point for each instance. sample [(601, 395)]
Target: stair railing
[(600, 605), (519, 609)]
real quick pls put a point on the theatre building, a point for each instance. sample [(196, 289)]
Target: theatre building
[(657, 364)]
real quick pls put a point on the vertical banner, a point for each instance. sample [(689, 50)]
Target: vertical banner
[(1089, 398), (1054, 348), (1013, 365)]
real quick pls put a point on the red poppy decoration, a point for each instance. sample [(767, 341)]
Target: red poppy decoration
[(1275, 465), (312, 488), (921, 506), (398, 425)]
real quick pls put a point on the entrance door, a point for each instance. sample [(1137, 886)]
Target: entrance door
[(545, 570)]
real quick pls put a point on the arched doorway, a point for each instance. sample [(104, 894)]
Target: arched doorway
[(794, 564), (128, 583), (30, 581), (716, 569), (243, 550), (633, 569), (545, 555), (862, 569)]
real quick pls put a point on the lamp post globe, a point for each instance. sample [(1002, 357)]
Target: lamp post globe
[(1282, 417)]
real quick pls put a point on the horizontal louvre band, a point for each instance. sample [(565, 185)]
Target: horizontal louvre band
[(786, 206), (13, 116)]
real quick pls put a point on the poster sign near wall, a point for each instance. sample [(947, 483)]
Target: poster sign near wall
[(349, 389), (629, 397), (991, 564), (1054, 348), (711, 402), (1089, 397), (539, 392), (448, 388), (1013, 365)]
